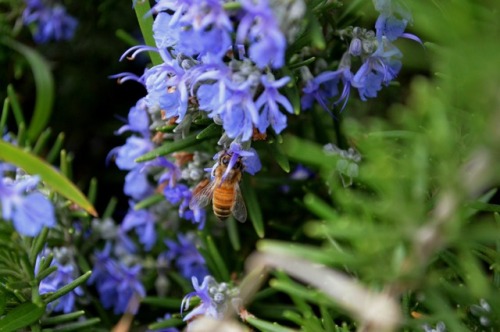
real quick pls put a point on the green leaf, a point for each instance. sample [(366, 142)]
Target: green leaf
[(110, 208), (277, 152), (34, 165), (44, 87), (326, 318), (170, 147), (21, 316), (304, 63), (300, 293), (126, 37), (41, 142), (254, 211), (68, 288), (145, 19), (172, 322), (210, 131), (55, 151), (16, 107), (266, 326), (37, 245), (496, 271), (299, 301), (311, 253), (62, 318), (319, 207), (80, 325), (3, 303), (232, 232), (164, 302), (231, 6), (316, 32), (217, 258), (147, 202), (4, 115), (185, 285), (307, 152), (481, 204), (292, 91)]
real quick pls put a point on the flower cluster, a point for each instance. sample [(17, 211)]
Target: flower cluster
[(67, 271), (163, 174), (117, 279), (50, 21), (379, 60), (218, 62), (188, 259)]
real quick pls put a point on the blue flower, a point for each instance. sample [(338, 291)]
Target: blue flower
[(259, 26), (389, 27), (194, 28), (29, 210), (101, 260), (165, 33), (138, 120), (379, 68), (392, 20), (214, 297), (196, 216), (122, 288), (227, 94), (187, 258), (119, 286), (144, 224), (137, 185), (229, 97), (51, 23), (181, 194), (64, 274), (167, 86), (171, 174), (269, 101), (126, 154), (239, 113), (208, 307), (177, 193), (324, 87), (209, 98)]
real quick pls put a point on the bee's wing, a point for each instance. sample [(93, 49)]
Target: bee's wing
[(239, 209), (202, 195)]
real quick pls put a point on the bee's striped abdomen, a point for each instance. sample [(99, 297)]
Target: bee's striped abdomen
[(222, 201)]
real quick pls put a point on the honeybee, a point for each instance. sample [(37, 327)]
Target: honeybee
[(225, 194)]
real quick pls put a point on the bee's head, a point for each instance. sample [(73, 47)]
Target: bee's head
[(225, 160), (231, 164)]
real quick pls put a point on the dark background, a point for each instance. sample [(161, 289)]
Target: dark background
[(88, 105)]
